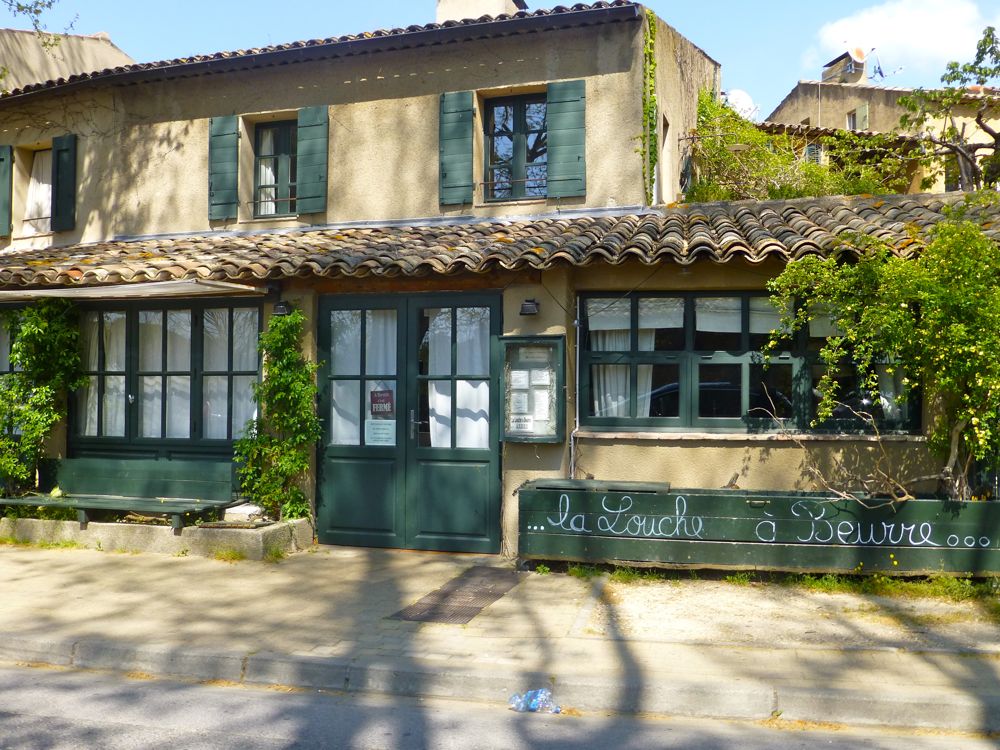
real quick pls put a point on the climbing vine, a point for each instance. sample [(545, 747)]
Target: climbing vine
[(649, 139), (45, 354), (275, 450)]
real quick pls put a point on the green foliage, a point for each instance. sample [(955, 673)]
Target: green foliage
[(649, 139), (937, 315), (45, 351), (736, 160), (276, 448), (542, 569), (41, 512), (229, 555), (952, 120), (584, 572)]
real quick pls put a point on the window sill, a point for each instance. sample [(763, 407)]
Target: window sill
[(736, 437), (511, 202)]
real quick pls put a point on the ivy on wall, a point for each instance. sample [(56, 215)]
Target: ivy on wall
[(649, 148), (45, 356), (277, 445)]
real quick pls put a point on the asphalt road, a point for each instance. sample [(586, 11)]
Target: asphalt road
[(61, 709)]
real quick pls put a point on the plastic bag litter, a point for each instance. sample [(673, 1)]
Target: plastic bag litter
[(535, 701)]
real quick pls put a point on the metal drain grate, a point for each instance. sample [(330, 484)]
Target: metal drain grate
[(462, 598)]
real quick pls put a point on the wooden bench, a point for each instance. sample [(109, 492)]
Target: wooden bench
[(168, 487)]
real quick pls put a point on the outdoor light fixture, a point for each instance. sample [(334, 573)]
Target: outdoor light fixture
[(529, 307), (281, 308)]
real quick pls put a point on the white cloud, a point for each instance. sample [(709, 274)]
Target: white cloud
[(921, 36)]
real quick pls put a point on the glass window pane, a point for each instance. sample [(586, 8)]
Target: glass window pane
[(894, 411), (150, 340), (501, 181), (658, 392), (502, 149), (114, 406), (502, 118), (771, 392), (534, 115), (245, 332), (608, 325), (851, 400), (345, 412), (435, 414), (472, 414), (473, 340), (610, 390), (380, 412), (536, 184), (718, 323), (764, 318), (720, 390), (87, 405), (216, 340), (435, 341), (90, 351), (179, 340), (4, 349), (114, 341), (215, 411), (244, 405), (345, 342), (661, 324), (151, 406), (380, 342), (178, 406)]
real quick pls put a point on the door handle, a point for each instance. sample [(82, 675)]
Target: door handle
[(414, 422)]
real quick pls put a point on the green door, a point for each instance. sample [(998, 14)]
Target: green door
[(409, 398)]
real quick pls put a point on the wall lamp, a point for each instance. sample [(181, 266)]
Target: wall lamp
[(529, 307), (281, 308)]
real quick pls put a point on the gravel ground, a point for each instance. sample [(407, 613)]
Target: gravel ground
[(761, 614)]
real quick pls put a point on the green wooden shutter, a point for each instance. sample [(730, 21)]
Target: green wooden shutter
[(64, 183), (311, 160), (223, 167), (566, 122), (455, 183), (6, 187), (863, 116)]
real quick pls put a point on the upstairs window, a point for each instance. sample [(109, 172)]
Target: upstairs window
[(275, 168), (38, 201), (516, 148), (852, 120)]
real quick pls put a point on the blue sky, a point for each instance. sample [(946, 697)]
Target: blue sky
[(764, 46)]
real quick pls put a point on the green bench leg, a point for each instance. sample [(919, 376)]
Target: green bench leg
[(82, 517), (177, 521)]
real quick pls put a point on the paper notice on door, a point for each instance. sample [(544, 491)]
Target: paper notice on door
[(380, 432), (540, 376)]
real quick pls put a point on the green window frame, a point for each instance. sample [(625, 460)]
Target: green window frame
[(516, 150), (275, 168), (165, 375), (692, 360)]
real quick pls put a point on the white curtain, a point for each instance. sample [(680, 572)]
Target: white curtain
[(439, 363), (38, 205), (215, 388), (380, 359), (89, 329), (890, 388), (609, 321), (764, 317), (718, 314), (345, 395), (114, 385), (472, 397), (266, 174)]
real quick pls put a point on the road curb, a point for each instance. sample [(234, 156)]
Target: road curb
[(660, 693)]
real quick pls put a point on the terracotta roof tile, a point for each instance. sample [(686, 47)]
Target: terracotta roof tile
[(719, 232)]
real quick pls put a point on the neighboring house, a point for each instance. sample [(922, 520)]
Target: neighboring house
[(459, 210), (28, 57), (846, 99)]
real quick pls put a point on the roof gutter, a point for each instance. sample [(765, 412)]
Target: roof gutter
[(448, 34)]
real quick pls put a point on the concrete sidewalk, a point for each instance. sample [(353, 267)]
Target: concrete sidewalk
[(320, 620)]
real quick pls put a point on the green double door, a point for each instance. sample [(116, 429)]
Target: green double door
[(410, 404)]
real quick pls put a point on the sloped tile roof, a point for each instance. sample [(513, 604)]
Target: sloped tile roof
[(397, 38), (720, 232)]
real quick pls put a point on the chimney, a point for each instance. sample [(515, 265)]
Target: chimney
[(458, 10), (847, 68)]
